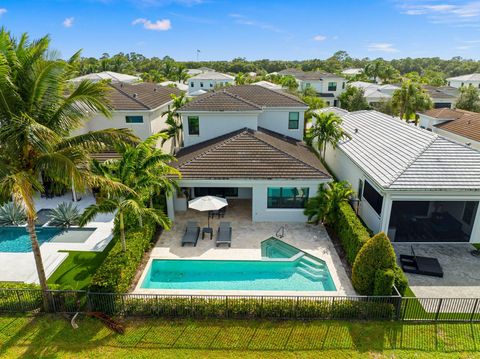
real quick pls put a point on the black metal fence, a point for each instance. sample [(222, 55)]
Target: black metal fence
[(241, 307)]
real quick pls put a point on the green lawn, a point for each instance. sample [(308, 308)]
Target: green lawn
[(77, 270), (51, 337)]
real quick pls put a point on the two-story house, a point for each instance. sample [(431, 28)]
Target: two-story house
[(464, 80), (245, 142), (138, 107), (207, 81)]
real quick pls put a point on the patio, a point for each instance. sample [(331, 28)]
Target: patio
[(461, 271), (246, 239)]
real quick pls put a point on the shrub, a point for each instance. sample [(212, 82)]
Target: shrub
[(118, 269), (401, 281), (12, 214), (353, 235), (65, 215), (384, 279), (376, 254)]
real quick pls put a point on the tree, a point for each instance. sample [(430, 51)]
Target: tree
[(289, 83), (38, 112), (314, 103), (410, 99), (353, 99), (174, 120), (374, 69), (469, 99), (327, 130), (324, 207)]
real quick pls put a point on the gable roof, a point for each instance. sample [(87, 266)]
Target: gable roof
[(242, 98), (469, 77), (142, 96), (212, 75), (268, 85), (308, 75), (460, 122), (400, 156), (249, 154), (106, 75)]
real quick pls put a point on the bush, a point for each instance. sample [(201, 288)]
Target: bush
[(118, 269), (401, 281), (353, 235), (384, 280), (376, 254)]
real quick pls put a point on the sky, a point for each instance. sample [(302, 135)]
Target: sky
[(254, 29)]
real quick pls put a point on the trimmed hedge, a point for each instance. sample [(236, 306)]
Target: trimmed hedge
[(384, 280), (401, 281), (353, 235), (116, 273)]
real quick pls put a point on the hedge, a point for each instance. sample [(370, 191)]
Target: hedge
[(401, 281), (353, 235), (116, 273), (384, 280)]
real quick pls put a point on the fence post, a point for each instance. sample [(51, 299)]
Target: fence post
[(438, 308), (123, 304), (226, 306), (407, 300), (399, 300), (191, 306), (52, 299), (261, 308), (19, 300), (474, 310)]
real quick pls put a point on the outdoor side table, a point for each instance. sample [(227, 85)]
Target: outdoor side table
[(207, 230)]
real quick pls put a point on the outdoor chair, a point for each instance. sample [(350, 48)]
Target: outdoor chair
[(191, 234), (420, 265), (224, 235)]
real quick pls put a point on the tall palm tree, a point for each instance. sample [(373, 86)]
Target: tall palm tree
[(327, 130), (38, 111), (410, 99), (174, 120)]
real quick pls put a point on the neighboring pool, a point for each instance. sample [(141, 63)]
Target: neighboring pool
[(283, 268), (17, 240)]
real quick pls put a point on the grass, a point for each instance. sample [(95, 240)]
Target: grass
[(48, 336), (76, 272)]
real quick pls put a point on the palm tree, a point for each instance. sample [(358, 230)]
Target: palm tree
[(38, 111), (374, 69), (327, 130), (174, 120), (410, 99), (181, 73)]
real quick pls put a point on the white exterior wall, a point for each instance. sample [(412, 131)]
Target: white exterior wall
[(277, 120), (216, 124), (428, 122), (195, 84), (457, 83), (322, 86)]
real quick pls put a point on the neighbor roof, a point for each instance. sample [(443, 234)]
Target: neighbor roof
[(438, 92), (400, 156), (142, 96), (249, 154), (212, 75), (469, 77), (268, 85), (242, 98), (460, 122), (107, 75), (308, 75)]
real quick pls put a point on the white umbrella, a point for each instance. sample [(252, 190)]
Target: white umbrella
[(207, 203)]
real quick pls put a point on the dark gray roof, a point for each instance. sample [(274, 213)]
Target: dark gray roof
[(142, 96)]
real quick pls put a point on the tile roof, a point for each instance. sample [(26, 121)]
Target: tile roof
[(242, 98), (142, 96), (212, 75), (106, 75), (469, 77), (438, 92), (460, 122), (400, 156), (249, 154)]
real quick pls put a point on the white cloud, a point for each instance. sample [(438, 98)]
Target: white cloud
[(319, 38), (2, 11), (68, 22), (440, 12), (242, 20), (382, 47), (159, 25)]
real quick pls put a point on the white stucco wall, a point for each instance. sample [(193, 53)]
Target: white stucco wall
[(216, 124), (277, 120), (428, 122), (196, 84), (457, 84), (322, 86)]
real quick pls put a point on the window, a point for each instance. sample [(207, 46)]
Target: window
[(343, 85), (211, 85), (191, 84), (469, 212), (193, 125), (201, 84), (134, 119), (308, 84), (374, 198), (293, 118), (285, 197), (332, 86)]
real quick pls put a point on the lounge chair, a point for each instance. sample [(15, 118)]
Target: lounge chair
[(421, 265), (224, 235), (191, 234)]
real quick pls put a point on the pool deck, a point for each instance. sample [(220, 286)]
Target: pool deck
[(20, 267), (246, 239)]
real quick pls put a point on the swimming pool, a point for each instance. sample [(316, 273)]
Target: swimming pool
[(17, 239), (282, 268)]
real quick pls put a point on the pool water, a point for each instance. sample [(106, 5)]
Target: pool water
[(17, 239), (282, 268)]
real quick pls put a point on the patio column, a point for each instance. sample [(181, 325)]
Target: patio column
[(170, 207)]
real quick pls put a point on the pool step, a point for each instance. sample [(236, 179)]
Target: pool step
[(313, 276), (278, 251)]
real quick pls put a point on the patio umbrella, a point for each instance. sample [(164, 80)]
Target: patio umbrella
[(207, 203)]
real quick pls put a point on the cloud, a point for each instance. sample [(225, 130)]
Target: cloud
[(159, 25), (2, 11), (382, 47), (68, 22), (319, 38), (440, 12), (242, 20)]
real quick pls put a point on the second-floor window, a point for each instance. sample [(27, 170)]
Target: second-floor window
[(293, 118), (192, 84), (201, 84), (193, 125), (332, 86), (134, 119)]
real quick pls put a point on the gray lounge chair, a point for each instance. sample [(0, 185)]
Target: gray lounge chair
[(421, 265), (224, 235), (191, 234)]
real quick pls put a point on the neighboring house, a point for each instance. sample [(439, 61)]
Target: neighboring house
[(352, 72), (138, 107), (464, 80), (412, 184), (237, 145), (207, 81), (442, 97), (269, 85), (327, 86), (107, 75), (458, 125), (178, 84), (374, 93)]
